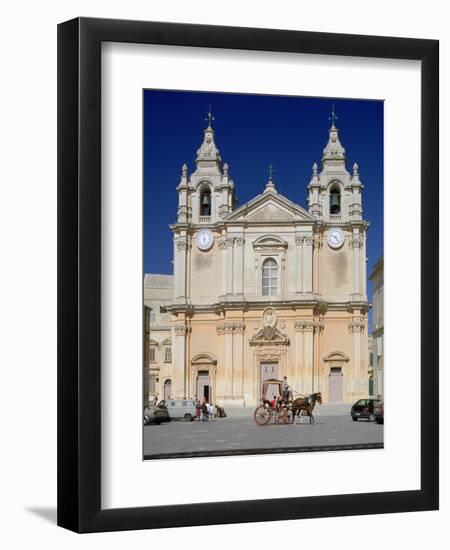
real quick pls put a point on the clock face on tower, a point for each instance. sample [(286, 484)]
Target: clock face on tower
[(204, 239), (335, 237)]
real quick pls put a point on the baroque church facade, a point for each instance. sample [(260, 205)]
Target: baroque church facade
[(268, 289)]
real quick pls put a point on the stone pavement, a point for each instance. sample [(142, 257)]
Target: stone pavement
[(239, 434)]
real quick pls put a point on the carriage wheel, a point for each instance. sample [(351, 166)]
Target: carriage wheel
[(279, 416), (288, 417), (261, 415)]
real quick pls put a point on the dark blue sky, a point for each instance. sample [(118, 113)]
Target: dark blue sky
[(253, 131)]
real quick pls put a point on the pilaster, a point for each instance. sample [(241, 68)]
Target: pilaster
[(317, 245), (239, 266), (179, 373), (298, 263), (229, 244), (308, 265), (224, 254), (238, 353), (297, 382), (356, 328), (228, 376), (356, 244), (180, 266)]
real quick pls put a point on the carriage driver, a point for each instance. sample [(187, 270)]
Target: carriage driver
[(286, 389)]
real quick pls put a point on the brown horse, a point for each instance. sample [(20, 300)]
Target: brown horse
[(306, 404)]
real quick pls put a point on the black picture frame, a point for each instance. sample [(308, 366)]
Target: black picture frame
[(79, 274)]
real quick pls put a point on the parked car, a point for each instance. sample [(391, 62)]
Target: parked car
[(363, 408), (378, 412), (179, 408), (155, 415)]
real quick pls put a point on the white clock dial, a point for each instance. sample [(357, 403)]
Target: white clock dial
[(335, 237), (204, 239)]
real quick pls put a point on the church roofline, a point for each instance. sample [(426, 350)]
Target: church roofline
[(265, 197)]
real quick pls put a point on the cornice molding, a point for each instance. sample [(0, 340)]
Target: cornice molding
[(230, 328), (318, 306)]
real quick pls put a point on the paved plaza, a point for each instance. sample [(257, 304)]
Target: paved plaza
[(238, 434)]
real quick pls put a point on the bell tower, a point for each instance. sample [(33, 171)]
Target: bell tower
[(334, 195), (335, 200), (207, 195)]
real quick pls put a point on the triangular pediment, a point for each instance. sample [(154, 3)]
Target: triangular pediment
[(270, 213), (269, 208)]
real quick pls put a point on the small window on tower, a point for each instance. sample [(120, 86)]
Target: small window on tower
[(205, 203)]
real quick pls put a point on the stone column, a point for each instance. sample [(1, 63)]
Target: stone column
[(297, 382), (239, 267), (238, 352), (308, 267), (308, 354), (179, 371), (187, 362), (229, 243), (356, 326), (223, 248), (298, 263), (355, 244), (181, 267), (317, 366), (317, 244), (187, 268), (228, 375), (363, 374)]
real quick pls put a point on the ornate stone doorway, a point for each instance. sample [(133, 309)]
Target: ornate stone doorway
[(204, 386), (335, 367), (202, 382)]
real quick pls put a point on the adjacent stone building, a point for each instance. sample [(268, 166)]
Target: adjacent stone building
[(158, 292), (267, 289), (377, 279)]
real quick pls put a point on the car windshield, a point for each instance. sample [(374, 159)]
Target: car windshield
[(361, 402)]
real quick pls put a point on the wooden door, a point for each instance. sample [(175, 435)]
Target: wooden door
[(167, 389), (336, 385), (204, 386)]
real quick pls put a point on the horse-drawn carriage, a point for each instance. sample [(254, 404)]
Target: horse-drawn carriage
[(283, 408)]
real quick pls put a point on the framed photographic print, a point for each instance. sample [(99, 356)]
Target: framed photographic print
[(248, 269)]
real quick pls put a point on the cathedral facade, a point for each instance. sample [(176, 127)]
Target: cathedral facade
[(268, 289)]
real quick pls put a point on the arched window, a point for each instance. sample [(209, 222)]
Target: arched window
[(205, 202), (270, 277), (335, 200)]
